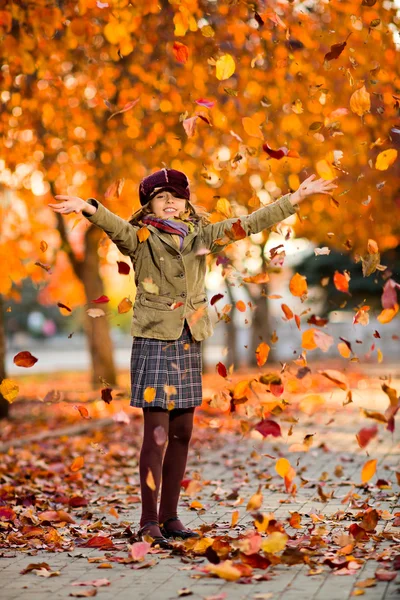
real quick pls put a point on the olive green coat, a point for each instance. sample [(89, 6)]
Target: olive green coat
[(178, 274)]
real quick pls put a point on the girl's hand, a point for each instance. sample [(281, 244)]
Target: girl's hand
[(69, 205), (309, 187)]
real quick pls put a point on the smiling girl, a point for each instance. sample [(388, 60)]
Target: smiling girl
[(170, 320)]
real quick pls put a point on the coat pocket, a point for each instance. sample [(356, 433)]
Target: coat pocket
[(199, 300), (156, 302)]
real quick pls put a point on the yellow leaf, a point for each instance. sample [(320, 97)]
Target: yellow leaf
[(368, 470), (282, 466), (225, 67), (9, 390), (150, 480), (201, 545), (360, 101), (344, 350), (149, 394), (77, 463), (149, 286), (241, 389), (225, 570), (324, 169), (143, 234), (275, 542), (388, 314), (262, 521), (380, 355), (255, 501), (262, 352), (311, 403), (385, 159), (307, 340), (223, 206), (252, 128), (298, 285)]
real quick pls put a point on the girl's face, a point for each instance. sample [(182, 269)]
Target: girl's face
[(165, 205)]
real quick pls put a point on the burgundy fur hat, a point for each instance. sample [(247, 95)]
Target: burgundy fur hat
[(166, 179)]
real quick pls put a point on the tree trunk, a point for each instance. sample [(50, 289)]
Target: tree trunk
[(232, 357), (4, 404), (97, 329), (260, 330)]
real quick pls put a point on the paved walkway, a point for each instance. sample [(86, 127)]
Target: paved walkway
[(229, 469)]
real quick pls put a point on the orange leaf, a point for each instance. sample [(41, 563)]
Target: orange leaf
[(252, 128), (341, 282), (235, 518), (124, 306), (240, 305), (150, 480), (260, 278), (298, 285), (388, 314), (143, 234), (282, 466), (368, 470), (181, 52), (262, 352), (77, 463), (287, 311)]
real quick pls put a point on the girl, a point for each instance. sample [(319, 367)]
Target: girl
[(170, 320)]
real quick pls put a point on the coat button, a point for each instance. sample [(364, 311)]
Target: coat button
[(183, 294), (181, 274)]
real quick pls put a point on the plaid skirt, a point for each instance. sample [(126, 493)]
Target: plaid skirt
[(158, 363)]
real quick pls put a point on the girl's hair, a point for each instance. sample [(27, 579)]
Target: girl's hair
[(196, 212)]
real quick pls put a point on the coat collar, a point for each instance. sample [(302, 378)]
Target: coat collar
[(166, 237)]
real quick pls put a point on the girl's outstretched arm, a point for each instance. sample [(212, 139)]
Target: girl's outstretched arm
[(265, 217), (122, 233)]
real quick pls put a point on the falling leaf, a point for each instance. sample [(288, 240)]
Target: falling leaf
[(235, 518), (149, 286), (360, 101), (240, 305), (127, 107), (221, 369), (149, 394), (341, 281), (268, 427), (282, 466), (24, 359), (95, 312), (365, 435), (181, 52), (150, 480), (385, 159), (225, 67), (124, 306), (115, 189), (100, 300), (280, 152), (252, 128), (388, 314), (262, 352), (324, 169), (143, 233), (9, 390), (189, 125), (123, 267), (311, 404), (205, 102), (260, 278), (298, 285), (160, 435), (368, 470), (255, 501)]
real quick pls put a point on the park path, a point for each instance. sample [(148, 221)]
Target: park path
[(230, 468)]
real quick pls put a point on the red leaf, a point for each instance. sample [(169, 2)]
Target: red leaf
[(365, 435), (268, 427), (221, 369), (385, 575), (101, 299), (215, 298), (181, 52), (99, 541), (123, 267), (276, 389)]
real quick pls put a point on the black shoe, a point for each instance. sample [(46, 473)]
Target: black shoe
[(157, 540), (184, 534)]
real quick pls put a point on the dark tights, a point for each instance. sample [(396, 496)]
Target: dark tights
[(178, 425)]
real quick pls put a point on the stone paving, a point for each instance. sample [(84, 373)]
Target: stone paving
[(232, 462)]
